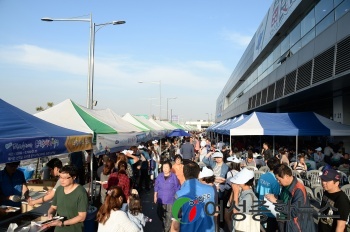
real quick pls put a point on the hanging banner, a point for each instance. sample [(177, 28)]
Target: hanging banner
[(118, 142)]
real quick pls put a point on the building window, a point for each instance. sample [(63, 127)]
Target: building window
[(294, 36), (308, 22), (296, 47), (308, 37), (277, 53), (337, 2), (325, 23), (323, 8), (342, 9), (285, 45)]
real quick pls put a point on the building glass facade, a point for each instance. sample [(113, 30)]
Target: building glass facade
[(250, 85)]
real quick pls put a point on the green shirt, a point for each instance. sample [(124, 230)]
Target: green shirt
[(284, 197), (68, 206)]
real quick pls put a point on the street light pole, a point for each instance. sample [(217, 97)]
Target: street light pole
[(160, 95), (93, 26), (167, 104), (208, 118)]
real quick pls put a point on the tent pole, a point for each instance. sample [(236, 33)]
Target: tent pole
[(273, 146), (296, 148), (230, 143), (92, 192)]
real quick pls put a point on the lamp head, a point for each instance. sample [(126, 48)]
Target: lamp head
[(118, 22), (47, 19), (140, 81)]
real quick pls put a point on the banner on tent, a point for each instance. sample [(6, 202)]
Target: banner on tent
[(115, 142), (22, 149)]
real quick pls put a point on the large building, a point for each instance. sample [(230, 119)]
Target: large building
[(298, 60)]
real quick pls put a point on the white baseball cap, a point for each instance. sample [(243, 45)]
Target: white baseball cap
[(217, 154), (242, 177), (127, 151), (234, 159), (206, 172)]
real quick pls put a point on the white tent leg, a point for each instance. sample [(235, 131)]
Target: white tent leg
[(273, 146), (296, 148), (92, 192)]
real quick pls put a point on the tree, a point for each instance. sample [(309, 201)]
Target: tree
[(48, 105)]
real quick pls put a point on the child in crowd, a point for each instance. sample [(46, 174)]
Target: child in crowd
[(134, 212)]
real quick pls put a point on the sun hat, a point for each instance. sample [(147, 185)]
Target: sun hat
[(242, 177), (155, 141), (234, 160), (127, 151), (318, 149), (206, 172)]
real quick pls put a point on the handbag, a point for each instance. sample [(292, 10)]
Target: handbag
[(248, 224)]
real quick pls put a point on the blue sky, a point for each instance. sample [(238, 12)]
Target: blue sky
[(191, 46)]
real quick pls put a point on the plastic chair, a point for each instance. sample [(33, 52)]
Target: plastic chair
[(296, 174), (346, 190), (343, 178), (257, 175), (318, 193), (252, 168), (313, 178), (309, 193), (320, 168), (264, 169)]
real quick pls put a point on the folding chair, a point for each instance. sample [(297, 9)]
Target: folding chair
[(313, 178), (296, 174), (309, 193), (346, 189), (257, 175), (318, 193), (343, 178), (251, 168), (264, 169)]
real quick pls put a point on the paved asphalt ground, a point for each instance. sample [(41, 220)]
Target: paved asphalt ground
[(150, 210)]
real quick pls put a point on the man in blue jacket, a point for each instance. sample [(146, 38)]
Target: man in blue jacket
[(194, 207)]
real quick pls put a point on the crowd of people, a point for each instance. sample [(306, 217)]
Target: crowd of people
[(199, 185)]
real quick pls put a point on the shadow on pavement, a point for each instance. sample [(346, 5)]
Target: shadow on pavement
[(150, 210)]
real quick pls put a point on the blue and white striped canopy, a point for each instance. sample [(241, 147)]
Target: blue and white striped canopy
[(288, 124)]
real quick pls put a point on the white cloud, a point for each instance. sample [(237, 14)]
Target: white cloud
[(196, 83), (117, 69), (238, 39)]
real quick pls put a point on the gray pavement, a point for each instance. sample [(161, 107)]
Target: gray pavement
[(150, 210)]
